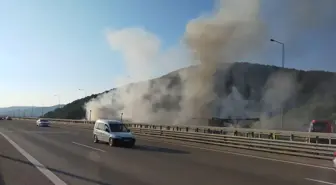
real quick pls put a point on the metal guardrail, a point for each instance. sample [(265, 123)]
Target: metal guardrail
[(275, 141), (320, 151)]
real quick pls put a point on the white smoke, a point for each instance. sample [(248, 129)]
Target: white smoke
[(226, 35), (279, 88), (232, 32), (143, 56), (298, 22)]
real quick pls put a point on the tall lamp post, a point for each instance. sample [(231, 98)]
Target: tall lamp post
[(90, 115), (83, 91), (283, 66), (59, 100)]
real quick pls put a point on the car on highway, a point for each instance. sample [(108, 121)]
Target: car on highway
[(42, 123), (113, 132), (8, 118)]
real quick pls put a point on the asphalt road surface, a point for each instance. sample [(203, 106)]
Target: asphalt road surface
[(67, 155)]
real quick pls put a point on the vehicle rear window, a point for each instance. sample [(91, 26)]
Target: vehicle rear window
[(44, 120), (320, 126), (117, 127)]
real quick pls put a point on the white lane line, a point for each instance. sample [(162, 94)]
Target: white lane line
[(320, 181), (51, 176), (44, 132), (88, 146), (246, 155)]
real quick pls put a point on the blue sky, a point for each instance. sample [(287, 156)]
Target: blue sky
[(57, 47)]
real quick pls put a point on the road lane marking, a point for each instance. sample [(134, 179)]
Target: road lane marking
[(51, 176), (320, 181), (88, 146), (233, 153), (45, 132), (245, 155)]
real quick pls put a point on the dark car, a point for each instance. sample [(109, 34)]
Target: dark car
[(8, 118)]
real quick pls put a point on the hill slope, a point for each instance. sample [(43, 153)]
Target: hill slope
[(240, 90), (26, 111)]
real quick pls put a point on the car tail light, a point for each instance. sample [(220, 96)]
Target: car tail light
[(334, 154)]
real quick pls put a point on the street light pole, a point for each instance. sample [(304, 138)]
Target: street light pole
[(83, 91), (283, 66), (90, 115), (283, 55), (59, 100), (283, 52), (42, 112)]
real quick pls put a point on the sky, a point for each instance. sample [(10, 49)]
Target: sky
[(51, 49)]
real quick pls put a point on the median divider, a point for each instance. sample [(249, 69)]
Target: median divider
[(273, 141)]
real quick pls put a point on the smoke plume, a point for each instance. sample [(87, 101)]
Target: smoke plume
[(306, 28), (225, 36), (232, 32)]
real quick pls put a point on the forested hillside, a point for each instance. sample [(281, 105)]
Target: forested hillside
[(303, 94)]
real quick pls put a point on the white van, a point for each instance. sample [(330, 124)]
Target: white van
[(113, 132)]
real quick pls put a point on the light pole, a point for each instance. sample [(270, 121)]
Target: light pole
[(90, 115), (42, 112), (283, 66), (83, 91), (32, 111), (132, 94), (283, 52), (59, 100)]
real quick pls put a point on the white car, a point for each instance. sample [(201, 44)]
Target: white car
[(113, 132), (42, 123)]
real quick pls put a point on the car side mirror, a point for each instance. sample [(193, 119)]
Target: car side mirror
[(107, 130), (128, 130)]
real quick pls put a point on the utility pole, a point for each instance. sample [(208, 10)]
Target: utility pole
[(84, 92), (90, 116), (283, 66), (59, 100)]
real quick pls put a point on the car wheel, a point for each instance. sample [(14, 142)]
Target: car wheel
[(95, 139), (111, 142)]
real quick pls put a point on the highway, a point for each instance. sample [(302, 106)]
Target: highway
[(67, 155)]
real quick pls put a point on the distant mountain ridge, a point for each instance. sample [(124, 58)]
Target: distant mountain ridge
[(27, 111), (242, 89)]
